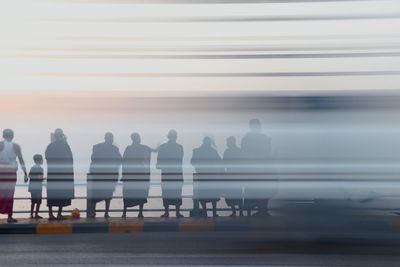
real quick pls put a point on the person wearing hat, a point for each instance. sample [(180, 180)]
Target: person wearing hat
[(60, 174), (9, 152)]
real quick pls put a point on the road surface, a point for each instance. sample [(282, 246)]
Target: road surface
[(201, 249)]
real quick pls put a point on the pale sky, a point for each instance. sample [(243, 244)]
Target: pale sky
[(96, 46)]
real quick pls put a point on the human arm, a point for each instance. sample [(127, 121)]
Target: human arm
[(18, 151), (155, 150)]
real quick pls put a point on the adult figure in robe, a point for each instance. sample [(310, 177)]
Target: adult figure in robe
[(60, 174), (9, 152), (169, 161), (208, 167), (103, 175), (136, 174), (232, 160), (256, 149)]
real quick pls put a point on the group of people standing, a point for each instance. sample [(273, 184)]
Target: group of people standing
[(214, 176)]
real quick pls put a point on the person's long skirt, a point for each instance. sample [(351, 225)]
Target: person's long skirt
[(60, 190), (101, 187), (171, 187), (233, 187), (258, 191), (206, 189), (8, 179), (135, 190)]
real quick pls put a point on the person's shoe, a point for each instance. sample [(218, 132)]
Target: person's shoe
[(60, 217), (31, 217), (215, 215), (52, 218), (123, 216), (140, 216), (11, 220), (165, 215), (179, 215), (38, 217), (106, 216), (233, 215)]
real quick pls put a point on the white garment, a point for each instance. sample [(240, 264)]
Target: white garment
[(8, 155)]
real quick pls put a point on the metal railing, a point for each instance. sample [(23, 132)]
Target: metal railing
[(184, 196), (115, 197)]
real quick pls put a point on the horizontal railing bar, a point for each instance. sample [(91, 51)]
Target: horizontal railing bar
[(274, 181), (84, 198), (209, 209), (121, 210)]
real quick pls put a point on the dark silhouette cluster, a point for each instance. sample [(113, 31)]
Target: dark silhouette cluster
[(214, 177)]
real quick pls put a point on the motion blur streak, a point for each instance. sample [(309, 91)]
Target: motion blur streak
[(321, 76)]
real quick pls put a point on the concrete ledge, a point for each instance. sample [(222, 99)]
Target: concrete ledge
[(126, 227), (52, 228), (359, 224), (196, 226)]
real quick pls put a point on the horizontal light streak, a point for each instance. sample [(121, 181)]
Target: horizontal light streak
[(318, 37), (216, 48), (210, 56), (218, 18), (221, 75), (206, 1)]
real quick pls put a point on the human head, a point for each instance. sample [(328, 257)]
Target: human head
[(109, 138), (135, 137), (58, 134), (8, 134), (38, 159), (255, 125), (231, 141), (172, 135), (207, 141)]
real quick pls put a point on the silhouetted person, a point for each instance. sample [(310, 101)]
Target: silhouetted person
[(136, 174), (9, 152), (103, 176), (233, 174), (36, 176), (60, 174), (208, 166), (256, 149), (169, 161)]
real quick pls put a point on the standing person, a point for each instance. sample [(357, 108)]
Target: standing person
[(9, 152), (256, 149), (35, 185), (103, 176), (136, 174), (169, 161), (60, 174), (233, 173), (208, 167)]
